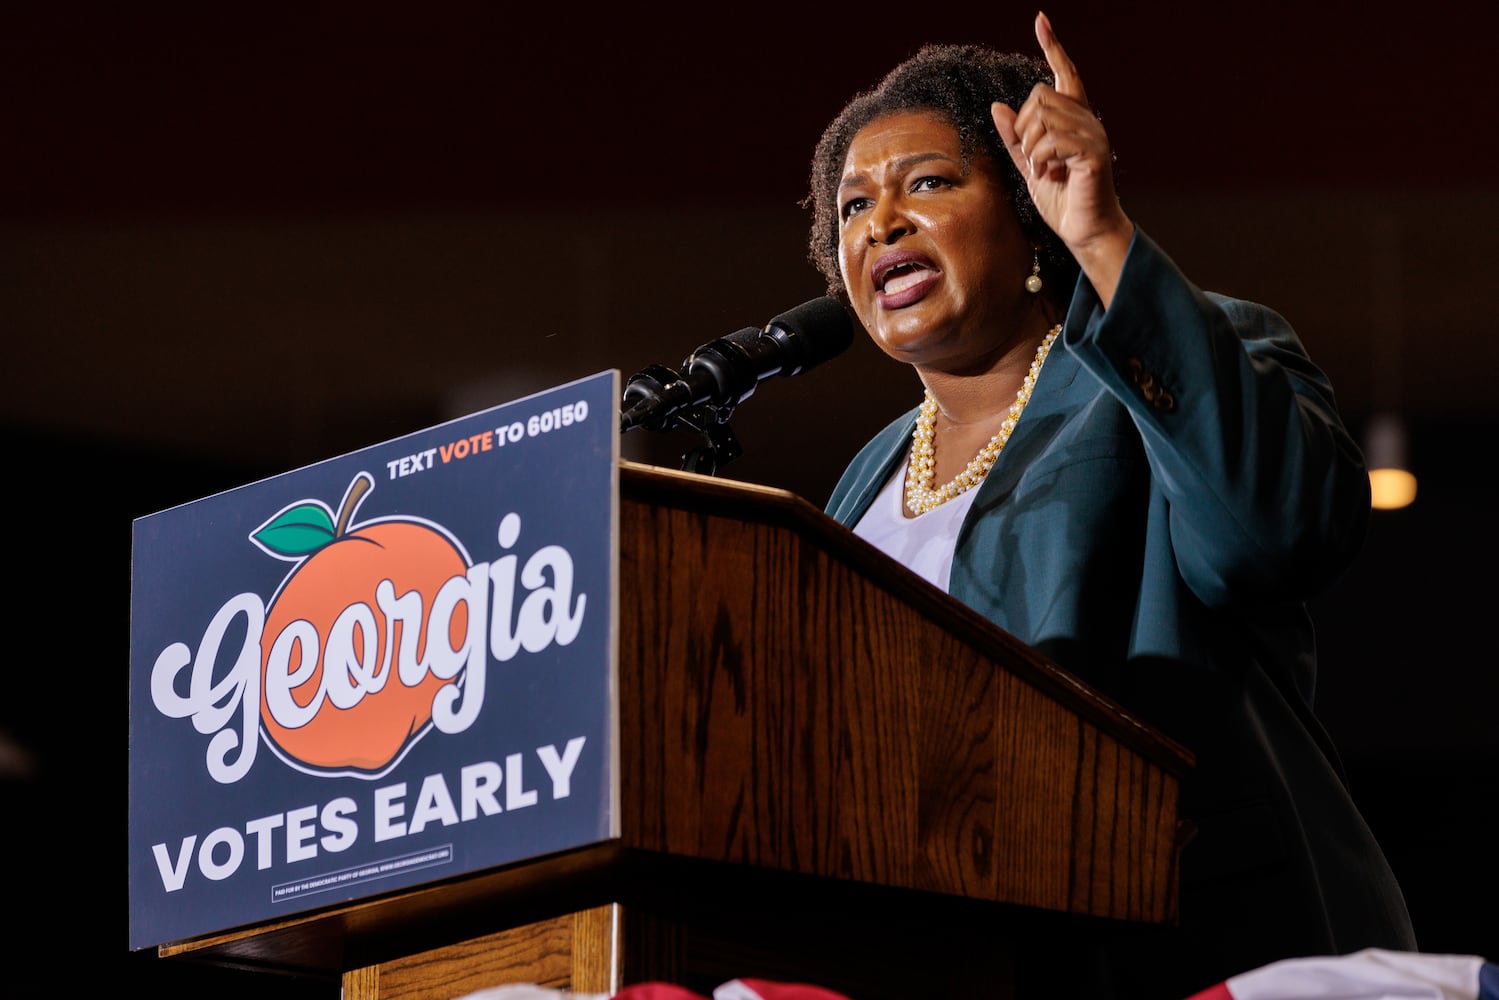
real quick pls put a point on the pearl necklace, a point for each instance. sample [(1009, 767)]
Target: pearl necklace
[(920, 496)]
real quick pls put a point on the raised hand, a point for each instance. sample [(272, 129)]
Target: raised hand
[(1062, 151)]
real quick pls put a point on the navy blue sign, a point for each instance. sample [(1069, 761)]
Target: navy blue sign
[(385, 669)]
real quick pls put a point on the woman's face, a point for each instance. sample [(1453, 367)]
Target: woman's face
[(934, 259)]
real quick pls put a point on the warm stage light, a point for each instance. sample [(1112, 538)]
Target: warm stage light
[(1391, 489), (1391, 483)]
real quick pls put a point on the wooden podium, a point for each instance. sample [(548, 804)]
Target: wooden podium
[(830, 773)]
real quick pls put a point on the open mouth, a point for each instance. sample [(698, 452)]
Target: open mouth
[(901, 277)]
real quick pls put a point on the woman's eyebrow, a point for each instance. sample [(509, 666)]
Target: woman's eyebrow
[(901, 165)]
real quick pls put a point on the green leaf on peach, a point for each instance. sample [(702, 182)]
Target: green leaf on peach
[(300, 530)]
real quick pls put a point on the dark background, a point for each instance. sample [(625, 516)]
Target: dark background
[(236, 241)]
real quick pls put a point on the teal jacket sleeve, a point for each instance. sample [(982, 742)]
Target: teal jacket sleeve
[(1267, 491)]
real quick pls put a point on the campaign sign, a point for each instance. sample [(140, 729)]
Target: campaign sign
[(389, 668)]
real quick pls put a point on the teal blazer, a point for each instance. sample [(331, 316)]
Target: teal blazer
[(1178, 486)]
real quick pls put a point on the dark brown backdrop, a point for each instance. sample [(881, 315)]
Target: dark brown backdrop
[(239, 240)]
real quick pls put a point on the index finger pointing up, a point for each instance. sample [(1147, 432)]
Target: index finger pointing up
[(1069, 84)]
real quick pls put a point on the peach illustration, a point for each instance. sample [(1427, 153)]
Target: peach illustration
[(339, 569)]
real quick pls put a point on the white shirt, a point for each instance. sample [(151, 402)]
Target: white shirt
[(924, 543)]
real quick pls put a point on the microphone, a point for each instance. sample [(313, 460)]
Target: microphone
[(725, 372)]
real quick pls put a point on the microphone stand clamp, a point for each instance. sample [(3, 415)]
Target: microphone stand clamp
[(653, 400), (722, 446)]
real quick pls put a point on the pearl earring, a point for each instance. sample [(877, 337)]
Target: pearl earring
[(1033, 283)]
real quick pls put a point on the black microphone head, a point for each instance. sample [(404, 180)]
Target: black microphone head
[(811, 333), (724, 372)]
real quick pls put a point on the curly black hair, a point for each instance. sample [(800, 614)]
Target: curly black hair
[(957, 83)]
